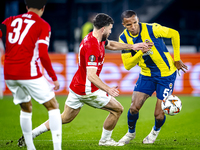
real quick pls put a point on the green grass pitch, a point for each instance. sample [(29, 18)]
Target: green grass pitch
[(179, 132)]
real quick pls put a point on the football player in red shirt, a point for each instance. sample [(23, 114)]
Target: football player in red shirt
[(86, 87), (27, 40)]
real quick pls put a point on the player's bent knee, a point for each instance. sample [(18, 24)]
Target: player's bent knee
[(121, 109), (134, 109), (159, 116), (51, 104)]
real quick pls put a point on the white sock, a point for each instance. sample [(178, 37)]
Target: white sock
[(26, 126), (39, 130), (106, 135), (55, 124)]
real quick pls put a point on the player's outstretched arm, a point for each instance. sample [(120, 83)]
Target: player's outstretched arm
[(92, 77), (113, 45)]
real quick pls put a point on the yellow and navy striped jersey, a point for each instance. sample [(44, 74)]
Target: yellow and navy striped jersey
[(157, 61)]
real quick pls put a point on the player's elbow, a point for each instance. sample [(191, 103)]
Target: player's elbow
[(127, 67), (90, 77)]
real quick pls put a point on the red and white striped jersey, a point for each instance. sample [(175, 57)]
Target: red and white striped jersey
[(27, 40), (91, 54)]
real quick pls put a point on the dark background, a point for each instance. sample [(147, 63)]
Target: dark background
[(67, 16)]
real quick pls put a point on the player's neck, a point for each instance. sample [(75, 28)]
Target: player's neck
[(38, 12), (97, 34)]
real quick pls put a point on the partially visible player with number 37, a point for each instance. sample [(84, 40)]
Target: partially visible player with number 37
[(22, 46), (27, 41)]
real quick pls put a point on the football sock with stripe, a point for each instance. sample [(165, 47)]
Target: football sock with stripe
[(132, 119)]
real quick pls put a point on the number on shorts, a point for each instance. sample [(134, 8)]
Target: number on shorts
[(166, 93)]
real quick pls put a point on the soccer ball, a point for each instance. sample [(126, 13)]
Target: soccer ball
[(171, 105)]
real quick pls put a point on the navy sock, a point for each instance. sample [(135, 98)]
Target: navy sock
[(132, 119), (158, 124)]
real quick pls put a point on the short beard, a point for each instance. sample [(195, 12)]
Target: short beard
[(104, 37)]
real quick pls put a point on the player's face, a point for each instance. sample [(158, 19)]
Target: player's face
[(107, 32), (131, 24)]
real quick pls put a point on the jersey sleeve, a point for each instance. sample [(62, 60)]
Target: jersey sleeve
[(91, 55), (3, 27), (2, 30), (43, 44), (45, 34), (130, 58), (165, 32)]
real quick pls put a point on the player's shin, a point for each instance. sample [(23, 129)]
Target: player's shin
[(39, 130), (26, 126), (55, 124), (159, 123), (132, 119)]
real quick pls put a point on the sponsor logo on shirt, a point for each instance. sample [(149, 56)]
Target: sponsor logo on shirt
[(92, 63)]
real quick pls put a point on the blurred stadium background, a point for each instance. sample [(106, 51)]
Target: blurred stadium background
[(67, 17)]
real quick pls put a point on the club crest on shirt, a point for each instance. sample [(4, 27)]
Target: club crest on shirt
[(147, 41), (170, 85), (149, 52), (92, 58)]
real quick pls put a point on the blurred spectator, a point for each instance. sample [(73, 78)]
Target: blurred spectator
[(88, 26)]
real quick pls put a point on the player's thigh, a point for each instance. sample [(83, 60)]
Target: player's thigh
[(165, 86), (97, 99), (138, 99), (73, 100), (20, 94), (145, 85), (113, 105), (69, 114), (39, 89)]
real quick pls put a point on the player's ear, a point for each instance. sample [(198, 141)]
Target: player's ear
[(123, 24), (27, 8), (103, 29), (43, 8)]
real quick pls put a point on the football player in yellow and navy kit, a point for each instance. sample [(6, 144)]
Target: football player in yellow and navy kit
[(158, 69)]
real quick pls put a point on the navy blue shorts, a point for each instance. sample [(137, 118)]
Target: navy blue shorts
[(162, 85)]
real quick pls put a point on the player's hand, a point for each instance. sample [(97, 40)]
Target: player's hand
[(148, 48), (180, 65), (57, 85), (139, 46), (113, 91), (150, 44)]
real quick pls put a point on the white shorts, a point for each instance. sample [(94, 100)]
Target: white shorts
[(39, 89), (97, 99)]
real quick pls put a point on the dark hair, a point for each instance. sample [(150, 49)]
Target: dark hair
[(128, 14), (102, 20), (38, 4)]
